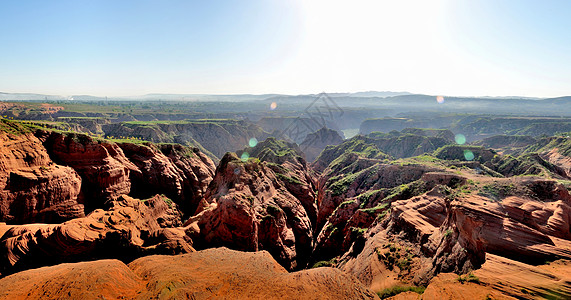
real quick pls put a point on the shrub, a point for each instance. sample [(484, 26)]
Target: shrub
[(325, 263), (395, 290), (470, 277)]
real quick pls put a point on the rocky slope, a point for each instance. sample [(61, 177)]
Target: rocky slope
[(507, 143), (216, 136), (428, 217), (181, 173), (555, 150), (103, 167), (315, 142), (435, 220), (32, 187), (109, 169), (213, 273), (287, 162), (127, 229), (248, 208), (50, 176)]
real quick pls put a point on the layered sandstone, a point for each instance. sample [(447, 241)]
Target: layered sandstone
[(32, 187), (213, 273), (248, 208), (129, 228)]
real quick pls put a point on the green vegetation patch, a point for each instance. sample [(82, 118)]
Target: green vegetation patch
[(497, 190), (15, 127), (325, 263), (290, 180), (395, 290), (407, 190), (470, 277)]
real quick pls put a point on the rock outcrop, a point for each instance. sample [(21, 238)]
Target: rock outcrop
[(213, 273), (248, 208), (287, 162), (181, 173), (32, 187), (103, 167), (315, 142), (128, 229), (532, 229)]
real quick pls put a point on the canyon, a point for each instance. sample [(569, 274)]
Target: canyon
[(370, 215)]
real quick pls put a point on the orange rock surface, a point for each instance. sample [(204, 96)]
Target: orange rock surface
[(32, 187), (129, 229), (208, 274)]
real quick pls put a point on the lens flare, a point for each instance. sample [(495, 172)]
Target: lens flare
[(440, 99), (245, 156), (253, 142), (468, 155), (273, 106), (460, 139)]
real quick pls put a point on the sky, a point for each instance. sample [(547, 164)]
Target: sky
[(136, 47)]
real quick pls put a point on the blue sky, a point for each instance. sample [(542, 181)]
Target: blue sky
[(448, 47)]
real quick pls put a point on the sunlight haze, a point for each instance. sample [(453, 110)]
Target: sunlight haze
[(120, 48)]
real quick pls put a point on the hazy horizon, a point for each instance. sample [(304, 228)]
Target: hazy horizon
[(130, 48), (399, 93)]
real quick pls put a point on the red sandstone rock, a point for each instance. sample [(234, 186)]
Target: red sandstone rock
[(130, 228), (181, 173), (247, 208), (103, 167), (32, 187), (208, 274)]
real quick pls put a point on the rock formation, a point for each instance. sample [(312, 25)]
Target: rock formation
[(128, 229), (315, 142), (32, 187), (248, 208), (213, 273), (181, 173), (103, 167)]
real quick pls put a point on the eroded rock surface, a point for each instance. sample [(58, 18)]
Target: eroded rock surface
[(248, 208), (181, 173), (128, 229), (213, 273), (32, 187), (103, 167)]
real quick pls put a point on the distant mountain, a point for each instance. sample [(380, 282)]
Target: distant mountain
[(166, 97), (203, 97), (378, 94), (28, 96)]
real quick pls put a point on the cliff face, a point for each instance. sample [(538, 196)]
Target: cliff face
[(248, 208), (127, 229), (216, 136), (109, 170), (48, 176), (32, 187), (103, 167), (287, 161), (315, 142), (181, 173)]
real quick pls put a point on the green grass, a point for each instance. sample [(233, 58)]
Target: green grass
[(291, 180), (15, 127), (448, 233), (325, 263), (129, 140), (395, 290), (497, 191), (470, 277)]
